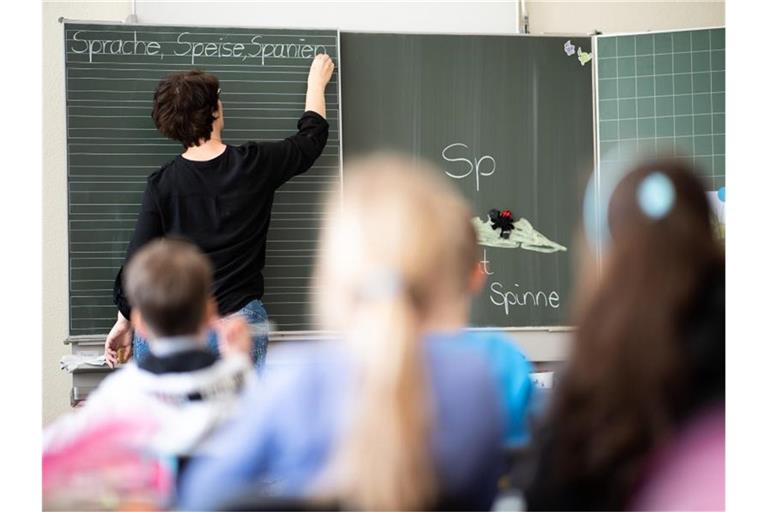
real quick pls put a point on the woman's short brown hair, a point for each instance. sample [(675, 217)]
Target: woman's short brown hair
[(185, 105)]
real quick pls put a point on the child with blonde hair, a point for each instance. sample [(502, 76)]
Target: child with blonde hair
[(405, 412)]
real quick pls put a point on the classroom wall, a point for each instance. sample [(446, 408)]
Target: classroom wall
[(621, 16), (467, 17), (494, 17), (57, 383), (482, 17)]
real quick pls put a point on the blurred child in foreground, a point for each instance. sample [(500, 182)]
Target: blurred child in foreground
[(643, 393), (405, 412), (162, 408)]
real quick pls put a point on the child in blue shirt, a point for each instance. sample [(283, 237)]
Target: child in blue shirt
[(511, 374), (406, 410)]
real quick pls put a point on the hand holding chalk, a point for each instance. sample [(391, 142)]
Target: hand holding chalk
[(319, 76), (320, 72)]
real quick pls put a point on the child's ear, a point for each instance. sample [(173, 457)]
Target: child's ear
[(477, 279)]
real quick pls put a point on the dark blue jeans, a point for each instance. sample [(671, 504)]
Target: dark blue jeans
[(254, 314)]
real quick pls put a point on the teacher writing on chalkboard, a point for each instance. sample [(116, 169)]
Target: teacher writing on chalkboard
[(218, 196)]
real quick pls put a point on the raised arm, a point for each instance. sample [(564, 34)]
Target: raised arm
[(296, 154), (319, 76)]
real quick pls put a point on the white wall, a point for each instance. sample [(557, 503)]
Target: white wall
[(495, 17), (480, 17), (621, 16), (56, 383), (452, 17)]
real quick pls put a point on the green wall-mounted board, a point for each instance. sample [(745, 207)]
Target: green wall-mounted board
[(664, 91), (510, 120), (112, 146)]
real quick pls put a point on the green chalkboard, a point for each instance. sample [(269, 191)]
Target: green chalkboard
[(510, 118), (664, 91), (112, 145)]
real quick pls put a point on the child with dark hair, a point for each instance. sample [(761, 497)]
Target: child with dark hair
[(648, 361), (181, 386)]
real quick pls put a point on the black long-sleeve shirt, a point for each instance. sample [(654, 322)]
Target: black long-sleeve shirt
[(223, 205)]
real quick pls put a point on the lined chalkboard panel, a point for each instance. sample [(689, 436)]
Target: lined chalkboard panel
[(510, 119), (664, 91), (112, 145)]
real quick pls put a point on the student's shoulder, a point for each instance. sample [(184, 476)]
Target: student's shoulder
[(317, 365), (484, 342), (213, 367), (496, 345), (462, 380), (119, 390), (223, 379), (234, 373), (306, 365), (456, 361), (114, 403), (299, 383)]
